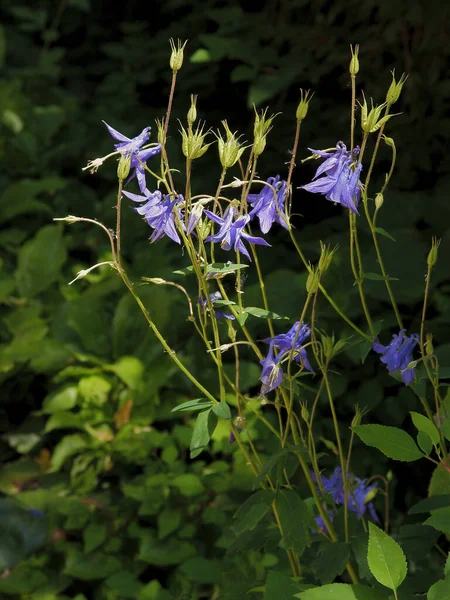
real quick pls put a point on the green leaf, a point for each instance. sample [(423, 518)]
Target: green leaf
[(88, 567), (200, 56), (424, 425), (440, 520), (67, 447), (188, 484), (386, 559), (222, 410), (61, 400), (93, 536), (250, 513), (64, 420), (204, 427), (424, 442), (94, 390), (202, 570), (279, 586), (168, 521), (342, 591), (242, 318), (130, 370), (391, 441), (294, 519), (191, 405), (261, 313), (431, 503), (330, 561), (276, 458), (378, 277), (440, 590), (163, 552), (40, 261), (125, 584), (446, 429), (382, 231), (217, 269)]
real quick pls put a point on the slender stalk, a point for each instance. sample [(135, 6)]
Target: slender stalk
[(292, 165), (358, 274)]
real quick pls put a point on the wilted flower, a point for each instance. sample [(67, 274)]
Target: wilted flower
[(268, 205), (213, 298), (341, 182), (272, 373), (398, 354), (231, 234)]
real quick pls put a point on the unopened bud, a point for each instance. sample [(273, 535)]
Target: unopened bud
[(313, 280), (69, 219), (389, 475), (327, 346), (302, 108), (354, 62), (357, 418), (204, 229), (370, 495), (192, 112), (160, 130), (305, 413), (371, 121), (433, 254), (389, 141), (193, 145), (326, 256), (263, 125), (194, 217), (230, 150), (429, 344), (123, 168), (395, 89), (177, 56), (379, 199)]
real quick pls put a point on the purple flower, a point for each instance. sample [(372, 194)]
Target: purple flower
[(272, 373), (269, 206), (321, 523), (341, 181), (213, 298), (151, 199), (137, 163), (356, 496), (126, 145), (231, 234), (398, 354)]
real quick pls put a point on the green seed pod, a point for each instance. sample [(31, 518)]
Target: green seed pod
[(123, 168), (395, 89), (302, 108), (354, 62), (177, 55)]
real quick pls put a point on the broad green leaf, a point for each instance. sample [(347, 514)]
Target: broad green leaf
[(129, 369), (40, 261), (222, 410), (93, 536), (440, 519), (391, 441), (440, 590), (261, 313), (330, 561), (295, 520), (279, 586), (192, 405), (67, 447), (204, 427), (382, 231), (276, 458), (424, 425), (189, 484), (23, 580), (386, 558), (342, 591), (214, 270), (88, 567), (94, 390), (200, 56), (64, 420), (424, 442), (446, 429), (431, 503), (168, 521), (250, 513), (125, 584), (61, 400), (164, 552), (202, 570)]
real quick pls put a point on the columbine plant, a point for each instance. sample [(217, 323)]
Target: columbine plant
[(299, 358)]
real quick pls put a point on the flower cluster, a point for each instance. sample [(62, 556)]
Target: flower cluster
[(398, 354), (132, 148), (340, 183), (286, 343), (269, 204), (357, 497)]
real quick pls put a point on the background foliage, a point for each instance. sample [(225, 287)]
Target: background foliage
[(88, 439)]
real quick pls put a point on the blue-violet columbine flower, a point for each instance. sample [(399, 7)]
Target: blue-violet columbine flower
[(398, 354), (269, 206), (231, 233), (341, 181), (358, 492), (137, 163), (293, 340), (214, 297)]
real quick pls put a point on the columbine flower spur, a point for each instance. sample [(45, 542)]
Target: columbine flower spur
[(398, 354), (341, 181)]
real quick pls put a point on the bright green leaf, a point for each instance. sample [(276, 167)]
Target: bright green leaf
[(440, 520), (391, 441), (93, 536), (386, 558), (222, 410), (382, 231), (192, 405), (426, 426), (342, 591)]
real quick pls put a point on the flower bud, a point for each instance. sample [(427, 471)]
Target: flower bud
[(192, 112), (429, 344), (354, 62), (326, 256), (313, 280), (305, 412), (302, 108), (379, 199), (123, 168), (395, 89), (177, 56), (230, 150), (327, 345), (370, 120), (194, 217), (160, 130), (193, 145), (261, 129), (370, 495), (389, 141), (433, 254)]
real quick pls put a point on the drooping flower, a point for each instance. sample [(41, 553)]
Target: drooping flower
[(150, 200), (231, 233), (128, 145), (293, 340), (269, 206), (357, 494), (340, 183), (137, 163), (398, 354), (214, 297)]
